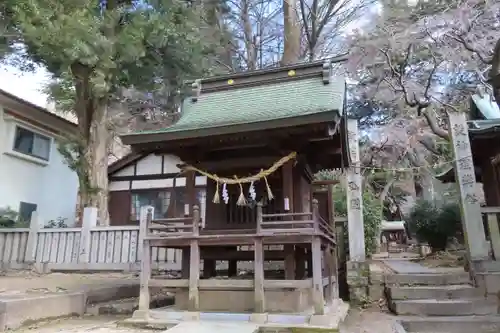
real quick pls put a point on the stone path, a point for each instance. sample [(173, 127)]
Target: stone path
[(408, 267), (213, 327)]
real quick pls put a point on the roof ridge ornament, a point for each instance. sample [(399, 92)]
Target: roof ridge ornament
[(196, 86), (327, 71)]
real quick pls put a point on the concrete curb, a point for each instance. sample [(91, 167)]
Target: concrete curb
[(19, 310)]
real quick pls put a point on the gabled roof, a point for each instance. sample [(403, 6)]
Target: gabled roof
[(266, 99), (35, 114)]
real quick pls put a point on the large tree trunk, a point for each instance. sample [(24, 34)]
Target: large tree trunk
[(91, 163), (97, 159), (291, 49)]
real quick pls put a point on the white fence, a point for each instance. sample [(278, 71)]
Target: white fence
[(86, 248)]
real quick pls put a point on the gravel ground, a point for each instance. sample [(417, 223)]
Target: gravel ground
[(101, 324), (366, 321)]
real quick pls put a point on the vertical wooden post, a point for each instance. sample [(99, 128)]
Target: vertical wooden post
[(259, 296), (309, 262), (194, 267), (209, 268), (287, 173), (329, 272), (300, 262), (335, 273), (143, 234), (315, 215), (492, 220), (355, 224), (145, 220), (318, 297), (196, 220), (259, 218), (89, 221), (473, 228), (232, 268), (33, 239), (186, 261)]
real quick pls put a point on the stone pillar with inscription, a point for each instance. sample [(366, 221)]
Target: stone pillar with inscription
[(472, 223), (357, 268)]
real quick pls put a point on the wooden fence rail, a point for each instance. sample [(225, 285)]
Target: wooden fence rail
[(87, 248)]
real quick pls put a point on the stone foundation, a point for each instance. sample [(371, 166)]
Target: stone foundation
[(376, 288), (297, 300), (358, 279)]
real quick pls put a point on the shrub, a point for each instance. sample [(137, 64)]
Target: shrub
[(372, 214), (434, 224), (8, 218), (60, 222)]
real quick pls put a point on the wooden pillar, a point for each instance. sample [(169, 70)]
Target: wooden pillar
[(355, 226), (145, 276), (327, 273), (335, 273), (209, 268), (194, 268), (473, 228), (259, 297), (232, 268), (186, 261), (309, 263), (318, 297), (287, 174), (190, 200), (300, 262)]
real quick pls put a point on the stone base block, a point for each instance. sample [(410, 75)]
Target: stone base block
[(297, 300), (358, 280), (259, 318)]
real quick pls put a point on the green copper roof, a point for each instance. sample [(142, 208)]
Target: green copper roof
[(261, 103)]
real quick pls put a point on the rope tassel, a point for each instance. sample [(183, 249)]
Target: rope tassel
[(270, 195), (241, 199), (216, 198)]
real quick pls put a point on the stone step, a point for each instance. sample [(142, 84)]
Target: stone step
[(444, 307), (433, 292), (465, 324), (428, 279)]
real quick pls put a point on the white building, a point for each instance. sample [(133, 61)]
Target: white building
[(33, 175)]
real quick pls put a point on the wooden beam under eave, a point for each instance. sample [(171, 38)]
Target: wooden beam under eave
[(325, 182), (237, 163)]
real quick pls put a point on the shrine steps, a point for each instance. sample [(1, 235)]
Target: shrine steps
[(448, 324), (440, 303)]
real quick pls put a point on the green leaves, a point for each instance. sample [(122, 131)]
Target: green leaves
[(128, 45), (435, 224), (372, 214)]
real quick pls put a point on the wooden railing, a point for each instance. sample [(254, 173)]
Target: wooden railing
[(294, 223), (493, 228), (176, 226)]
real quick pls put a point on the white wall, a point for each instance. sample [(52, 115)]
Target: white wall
[(152, 165), (52, 186)]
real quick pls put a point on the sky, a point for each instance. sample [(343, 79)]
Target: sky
[(27, 86)]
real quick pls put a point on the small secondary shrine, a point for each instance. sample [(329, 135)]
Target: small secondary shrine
[(258, 138)]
